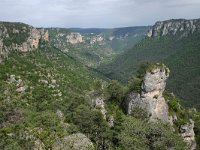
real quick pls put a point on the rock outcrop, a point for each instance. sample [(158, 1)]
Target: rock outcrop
[(151, 97), (76, 141), (96, 38), (173, 27), (74, 38), (188, 134), (99, 104), (20, 84), (20, 37), (38, 145), (29, 135)]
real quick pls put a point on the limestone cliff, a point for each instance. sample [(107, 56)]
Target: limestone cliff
[(173, 27), (74, 38), (151, 96), (187, 132), (20, 37)]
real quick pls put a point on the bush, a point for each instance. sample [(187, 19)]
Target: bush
[(139, 113), (92, 124), (142, 135), (135, 84), (115, 91)]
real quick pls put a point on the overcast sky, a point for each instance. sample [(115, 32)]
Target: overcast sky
[(96, 13)]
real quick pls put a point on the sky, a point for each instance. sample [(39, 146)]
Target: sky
[(96, 13)]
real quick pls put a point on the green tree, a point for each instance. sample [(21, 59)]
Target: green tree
[(115, 91), (93, 125), (139, 113), (137, 134), (134, 84)]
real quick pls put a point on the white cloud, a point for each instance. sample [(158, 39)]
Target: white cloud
[(96, 13)]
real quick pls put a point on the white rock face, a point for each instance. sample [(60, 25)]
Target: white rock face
[(30, 43), (151, 99), (74, 38), (33, 40), (188, 134), (172, 27)]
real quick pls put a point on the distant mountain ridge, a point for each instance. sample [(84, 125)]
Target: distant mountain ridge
[(174, 26)]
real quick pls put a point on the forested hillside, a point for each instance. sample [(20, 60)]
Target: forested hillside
[(95, 46), (37, 89), (180, 51), (50, 99)]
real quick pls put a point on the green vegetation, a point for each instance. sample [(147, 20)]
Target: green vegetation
[(18, 33), (92, 124), (92, 52), (32, 114), (47, 94), (54, 82), (183, 114), (142, 135), (181, 55)]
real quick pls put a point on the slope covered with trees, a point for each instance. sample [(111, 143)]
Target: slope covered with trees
[(95, 46), (34, 86), (180, 53), (51, 100)]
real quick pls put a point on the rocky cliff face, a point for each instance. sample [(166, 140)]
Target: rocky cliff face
[(173, 27), (74, 38), (21, 37), (151, 97), (188, 134)]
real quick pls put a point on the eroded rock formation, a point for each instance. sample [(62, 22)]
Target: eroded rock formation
[(151, 97), (151, 100)]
